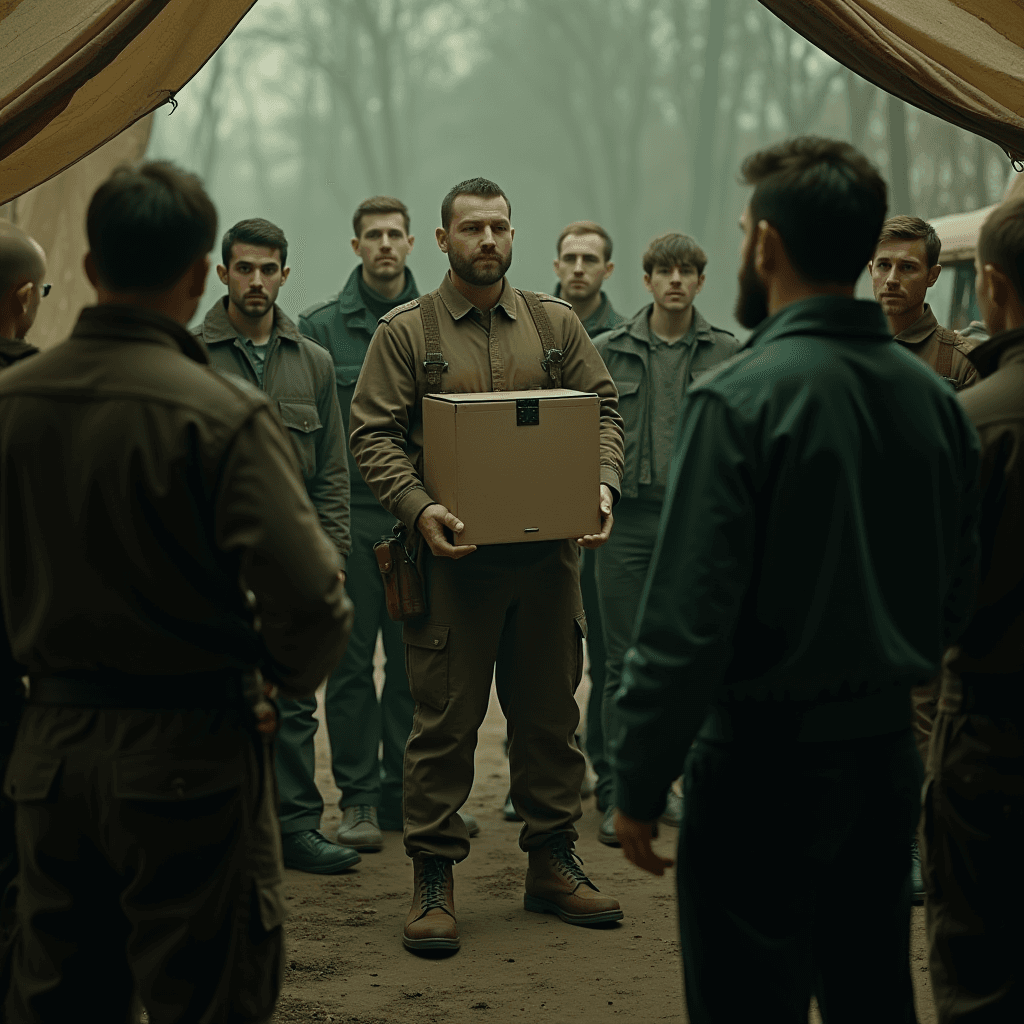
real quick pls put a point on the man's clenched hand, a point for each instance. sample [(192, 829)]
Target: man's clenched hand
[(431, 523)]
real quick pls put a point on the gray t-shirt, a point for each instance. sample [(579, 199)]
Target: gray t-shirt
[(258, 355), (668, 363)]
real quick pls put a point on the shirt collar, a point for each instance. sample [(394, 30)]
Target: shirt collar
[(1001, 348), (218, 328), (137, 324), (921, 329), (458, 305)]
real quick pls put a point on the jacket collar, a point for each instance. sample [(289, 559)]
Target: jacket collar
[(921, 329), (458, 305), (217, 328), (639, 328), (15, 348), (830, 316), (137, 324), (1002, 348), (350, 300)]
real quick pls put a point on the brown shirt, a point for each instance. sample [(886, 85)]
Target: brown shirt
[(926, 336), (994, 639), (141, 493), (497, 351)]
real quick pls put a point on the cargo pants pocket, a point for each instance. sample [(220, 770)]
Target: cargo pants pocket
[(426, 663)]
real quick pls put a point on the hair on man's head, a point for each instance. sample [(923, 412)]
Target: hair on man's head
[(911, 229), (255, 231), (1001, 242), (674, 250), (826, 200), (147, 225), (379, 204), (470, 187), (585, 227)]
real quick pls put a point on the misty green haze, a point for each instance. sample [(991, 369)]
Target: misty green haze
[(633, 113)]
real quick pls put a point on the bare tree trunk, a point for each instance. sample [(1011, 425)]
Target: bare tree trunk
[(899, 160)]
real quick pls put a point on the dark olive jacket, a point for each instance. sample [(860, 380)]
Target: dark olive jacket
[(299, 376), (625, 351), (818, 548), (141, 493), (604, 318), (13, 350), (993, 643), (344, 326)]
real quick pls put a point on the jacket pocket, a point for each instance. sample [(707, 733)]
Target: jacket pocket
[(303, 421), (165, 778), (31, 775), (426, 663), (347, 376)]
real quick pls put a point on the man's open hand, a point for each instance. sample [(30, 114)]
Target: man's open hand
[(431, 523), (635, 837), (595, 540)]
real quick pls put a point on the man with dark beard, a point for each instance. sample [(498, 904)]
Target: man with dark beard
[(517, 605), (247, 335), (788, 613)]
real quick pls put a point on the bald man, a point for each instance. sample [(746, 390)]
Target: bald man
[(22, 269)]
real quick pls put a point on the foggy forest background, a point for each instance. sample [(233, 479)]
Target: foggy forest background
[(633, 113)]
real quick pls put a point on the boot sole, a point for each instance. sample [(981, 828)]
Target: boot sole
[(416, 944), (363, 847), (538, 906)]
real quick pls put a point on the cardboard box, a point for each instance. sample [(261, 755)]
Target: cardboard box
[(515, 465)]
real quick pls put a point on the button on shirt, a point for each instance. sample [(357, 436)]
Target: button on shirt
[(669, 364)]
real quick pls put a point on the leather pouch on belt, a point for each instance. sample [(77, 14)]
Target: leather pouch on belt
[(403, 588)]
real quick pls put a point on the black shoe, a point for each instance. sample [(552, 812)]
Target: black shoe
[(312, 851), (606, 833), (917, 892), (509, 811)]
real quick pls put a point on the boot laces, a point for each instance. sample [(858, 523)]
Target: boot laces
[(569, 861), (364, 812), (433, 885)]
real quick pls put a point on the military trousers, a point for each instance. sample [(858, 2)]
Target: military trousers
[(794, 862), (972, 848), (512, 612), (368, 735), (596, 657), (150, 863), (621, 571)]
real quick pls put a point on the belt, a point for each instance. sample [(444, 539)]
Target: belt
[(1000, 695), (207, 690)]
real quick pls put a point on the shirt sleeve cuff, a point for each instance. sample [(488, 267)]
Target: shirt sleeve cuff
[(613, 480), (411, 504)]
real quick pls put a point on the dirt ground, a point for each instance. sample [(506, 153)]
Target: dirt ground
[(346, 962)]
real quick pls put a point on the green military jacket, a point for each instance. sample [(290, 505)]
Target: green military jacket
[(344, 326), (298, 375), (625, 351), (818, 548), (604, 318)]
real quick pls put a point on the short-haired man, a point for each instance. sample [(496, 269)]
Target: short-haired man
[(174, 515), (514, 607), (787, 615), (972, 839), (653, 359), (247, 335), (904, 266), (22, 269), (368, 734)]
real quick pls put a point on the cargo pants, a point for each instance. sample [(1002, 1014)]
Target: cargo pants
[(150, 863), (514, 610)]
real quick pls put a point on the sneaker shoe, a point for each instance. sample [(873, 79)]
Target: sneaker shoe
[(312, 851), (673, 813), (359, 829), (917, 893), (509, 811), (606, 833), (556, 884), (472, 825), (431, 924)]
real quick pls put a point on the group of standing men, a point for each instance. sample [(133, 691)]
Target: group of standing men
[(198, 544)]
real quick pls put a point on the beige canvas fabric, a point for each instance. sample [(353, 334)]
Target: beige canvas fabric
[(962, 60), (75, 73), (54, 214)]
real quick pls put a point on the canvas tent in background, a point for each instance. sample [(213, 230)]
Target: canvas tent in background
[(962, 60), (76, 73)]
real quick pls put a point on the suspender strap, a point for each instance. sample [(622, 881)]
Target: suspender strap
[(944, 364), (435, 363), (552, 361)]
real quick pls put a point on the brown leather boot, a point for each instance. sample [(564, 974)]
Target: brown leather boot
[(556, 884), (431, 922)]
